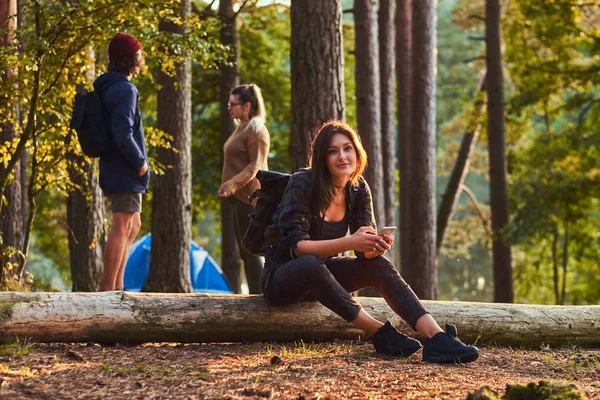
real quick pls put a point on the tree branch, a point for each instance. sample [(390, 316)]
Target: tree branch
[(478, 17), (248, 10), (468, 60), (206, 13), (240, 9), (484, 220)]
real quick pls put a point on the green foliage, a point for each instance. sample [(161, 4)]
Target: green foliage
[(550, 50), (50, 56)]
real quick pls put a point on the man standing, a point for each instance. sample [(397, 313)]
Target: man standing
[(124, 173)]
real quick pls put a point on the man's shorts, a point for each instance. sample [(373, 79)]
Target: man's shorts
[(125, 202)]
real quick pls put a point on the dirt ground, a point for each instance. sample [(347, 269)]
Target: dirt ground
[(338, 370)]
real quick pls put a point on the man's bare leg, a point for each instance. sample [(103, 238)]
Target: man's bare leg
[(114, 248), (134, 229)]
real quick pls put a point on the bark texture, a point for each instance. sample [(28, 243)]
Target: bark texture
[(420, 271), (85, 217), (387, 47), (368, 99), (126, 316), (11, 217), (502, 264), (231, 262), (461, 167), (404, 93), (85, 222), (172, 197), (317, 66)]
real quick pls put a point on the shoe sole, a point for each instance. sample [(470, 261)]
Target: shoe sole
[(446, 359), (404, 355)]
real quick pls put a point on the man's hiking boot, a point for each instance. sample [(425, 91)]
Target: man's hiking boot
[(445, 348), (387, 340)]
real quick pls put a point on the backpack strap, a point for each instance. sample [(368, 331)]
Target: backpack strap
[(352, 205)]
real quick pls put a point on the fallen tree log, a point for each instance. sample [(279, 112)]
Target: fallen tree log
[(154, 317)]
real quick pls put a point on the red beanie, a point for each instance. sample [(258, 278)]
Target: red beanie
[(123, 46)]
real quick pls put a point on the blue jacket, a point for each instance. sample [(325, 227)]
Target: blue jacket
[(119, 171)]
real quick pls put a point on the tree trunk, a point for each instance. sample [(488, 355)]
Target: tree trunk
[(555, 278), (132, 317), (24, 162), (231, 263), (461, 167), (420, 272), (368, 106), (404, 93), (11, 221), (565, 262), (503, 285), (85, 215), (85, 220), (172, 197), (317, 66), (386, 70), (368, 99)]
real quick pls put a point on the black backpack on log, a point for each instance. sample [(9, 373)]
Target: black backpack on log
[(272, 186)]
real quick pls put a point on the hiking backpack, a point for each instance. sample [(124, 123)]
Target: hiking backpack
[(272, 186), (90, 122)]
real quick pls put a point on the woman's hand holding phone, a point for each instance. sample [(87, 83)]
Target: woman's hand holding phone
[(387, 232), (379, 243), (385, 239), (364, 239)]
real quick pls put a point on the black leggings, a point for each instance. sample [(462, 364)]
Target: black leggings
[(329, 281), (253, 265)]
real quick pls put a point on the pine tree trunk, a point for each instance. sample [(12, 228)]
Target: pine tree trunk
[(85, 221), (231, 263), (461, 167), (11, 217), (368, 99), (21, 116), (172, 197), (503, 285), (85, 215), (404, 93), (420, 273), (388, 147), (317, 66)]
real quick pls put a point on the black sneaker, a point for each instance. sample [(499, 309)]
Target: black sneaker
[(445, 348), (387, 340)]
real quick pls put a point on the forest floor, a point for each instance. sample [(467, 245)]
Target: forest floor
[(337, 370)]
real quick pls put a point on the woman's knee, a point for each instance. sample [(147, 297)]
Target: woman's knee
[(312, 265), (383, 266)]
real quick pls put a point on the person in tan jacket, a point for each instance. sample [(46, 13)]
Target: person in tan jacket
[(245, 153)]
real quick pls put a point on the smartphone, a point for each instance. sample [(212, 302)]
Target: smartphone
[(389, 230)]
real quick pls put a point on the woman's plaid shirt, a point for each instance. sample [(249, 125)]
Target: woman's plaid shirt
[(295, 215)]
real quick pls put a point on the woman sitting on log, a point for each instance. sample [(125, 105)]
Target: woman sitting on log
[(310, 229)]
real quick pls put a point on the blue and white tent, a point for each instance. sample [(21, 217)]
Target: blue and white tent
[(205, 274)]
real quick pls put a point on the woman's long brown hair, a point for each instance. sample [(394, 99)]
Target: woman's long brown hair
[(323, 189)]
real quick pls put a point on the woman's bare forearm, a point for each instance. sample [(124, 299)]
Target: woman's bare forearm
[(324, 248)]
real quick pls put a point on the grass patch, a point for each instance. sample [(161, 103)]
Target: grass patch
[(123, 372), (301, 349), (17, 349)]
